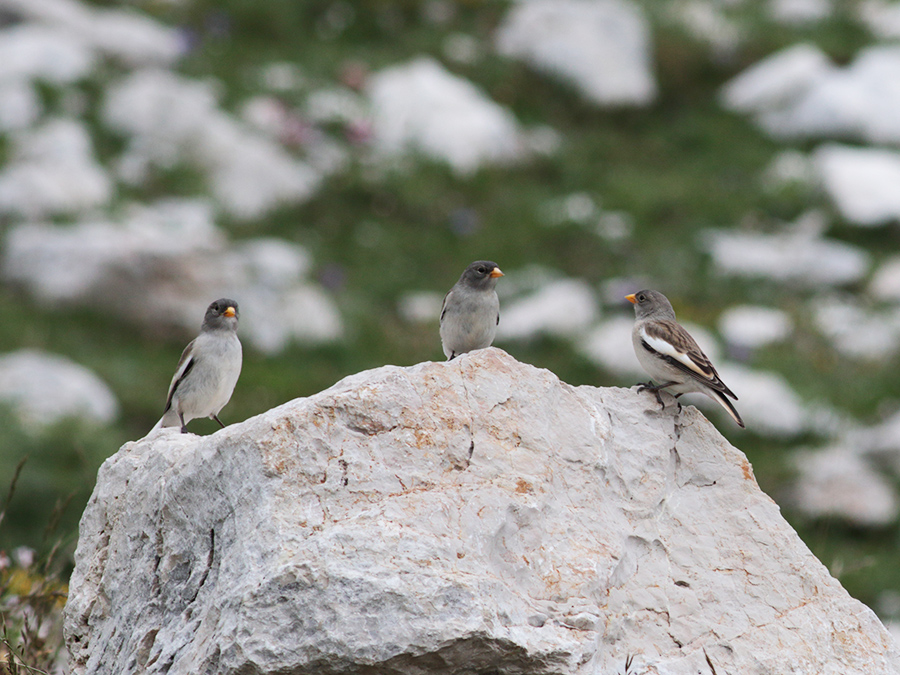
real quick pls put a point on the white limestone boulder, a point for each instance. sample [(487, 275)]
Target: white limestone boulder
[(602, 47), (43, 389), (839, 482), (30, 51), (161, 265), (465, 517), (168, 120), (563, 308), (799, 93), (127, 36), (53, 171), (754, 326), (863, 183), (421, 107), (799, 254)]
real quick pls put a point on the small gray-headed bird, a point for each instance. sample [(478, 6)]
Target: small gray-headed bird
[(471, 310), (671, 356), (208, 370)]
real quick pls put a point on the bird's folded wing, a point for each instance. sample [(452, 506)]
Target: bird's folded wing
[(185, 363), (672, 342)]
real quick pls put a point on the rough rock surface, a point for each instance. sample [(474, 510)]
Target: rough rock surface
[(476, 516)]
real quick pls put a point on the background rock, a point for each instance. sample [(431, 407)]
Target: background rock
[(472, 516), (164, 263), (43, 389), (422, 107), (601, 46)]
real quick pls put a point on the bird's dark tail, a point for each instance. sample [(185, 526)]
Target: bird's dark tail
[(722, 399)]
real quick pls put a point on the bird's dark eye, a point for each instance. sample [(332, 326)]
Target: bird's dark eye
[(642, 297), (481, 270)]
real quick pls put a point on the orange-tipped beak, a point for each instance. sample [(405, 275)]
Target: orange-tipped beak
[(631, 298), (496, 273), (229, 312)]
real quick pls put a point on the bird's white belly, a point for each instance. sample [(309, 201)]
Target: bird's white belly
[(213, 381)]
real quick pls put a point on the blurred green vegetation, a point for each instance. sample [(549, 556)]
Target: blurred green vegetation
[(678, 167)]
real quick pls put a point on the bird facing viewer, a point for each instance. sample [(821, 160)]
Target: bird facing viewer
[(471, 310), (208, 370)]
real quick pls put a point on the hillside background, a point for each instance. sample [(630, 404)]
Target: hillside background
[(335, 165)]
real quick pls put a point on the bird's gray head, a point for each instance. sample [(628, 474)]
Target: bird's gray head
[(651, 303), (481, 275), (222, 314)]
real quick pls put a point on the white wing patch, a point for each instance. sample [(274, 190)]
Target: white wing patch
[(668, 349)]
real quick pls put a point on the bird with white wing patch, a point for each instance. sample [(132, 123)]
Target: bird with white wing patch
[(671, 356)]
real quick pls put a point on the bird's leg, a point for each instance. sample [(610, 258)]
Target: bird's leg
[(655, 389), (218, 420), (183, 425), (452, 356)]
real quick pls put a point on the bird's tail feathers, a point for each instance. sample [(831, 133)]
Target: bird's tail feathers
[(169, 419), (722, 399)]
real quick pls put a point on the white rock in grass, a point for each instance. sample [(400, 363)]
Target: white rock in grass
[(885, 284), (881, 17), (302, 314), (251, 175), (797, 93), (474, 516), (800, 12), (278, 304), (777, 80), (753, 326), (420, 306), (563, 308), (791, 167), (99, 260), (422, 107), (20, 106), (838, 482), (860, 101), (880, 442), (864, 183), (44, 389), (163, 264), (31, 52), (707, 22), (766, 401), (799, 255), (856, 331), (126, 35), (609, 346), (602, 47), (336, 104), (53, 171), (170, 120)]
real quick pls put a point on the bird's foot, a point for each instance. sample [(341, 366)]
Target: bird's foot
[(216, 418), (649, 386)]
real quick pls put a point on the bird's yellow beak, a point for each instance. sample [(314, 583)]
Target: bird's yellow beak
[(496, 273), (631, 298), (229, 312)]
